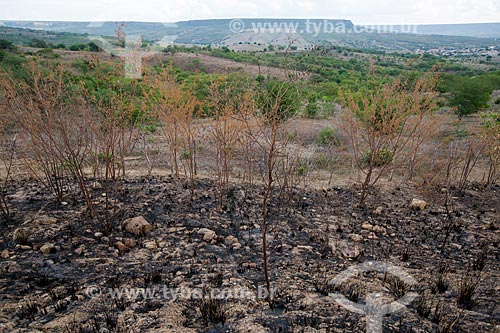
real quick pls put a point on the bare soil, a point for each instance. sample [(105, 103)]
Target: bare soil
[(314, 236)]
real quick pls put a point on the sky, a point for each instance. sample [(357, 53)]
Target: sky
[(360, 12)]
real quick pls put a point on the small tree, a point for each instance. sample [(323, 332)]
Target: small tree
[(490, 135), (382, 122), (53, 117), (276, 103), (6, 45), (230, 104), (116, 113), (7, 150), (176, 105)]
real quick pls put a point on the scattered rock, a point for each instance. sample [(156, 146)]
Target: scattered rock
[(142, 254), (175, 255), (175, 229), (80, 250), (367, 226), (208, 235), (24, 247), (301, 248), (230, 240), (151, 245), (129, 242), (44, 220), (48, 248), (378, 210), (5, 254), (121, 247), (347, 249), (356, 238), (417, 204), (137, 226), (251, 265)]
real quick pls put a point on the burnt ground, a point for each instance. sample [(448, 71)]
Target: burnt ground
[(314, 235)]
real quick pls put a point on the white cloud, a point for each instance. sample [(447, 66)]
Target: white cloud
[(360, 11)]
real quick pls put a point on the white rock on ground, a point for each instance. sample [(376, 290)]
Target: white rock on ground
[(418, 204)]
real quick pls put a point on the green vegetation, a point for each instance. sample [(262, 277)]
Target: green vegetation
[(24, 37), (281, 95), (466, 87), (382, 157), (326, 137), (470, 94), (6, 45)]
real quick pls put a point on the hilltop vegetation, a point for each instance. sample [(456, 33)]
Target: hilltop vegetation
[(218, 32), (26, 36), (467, 85)]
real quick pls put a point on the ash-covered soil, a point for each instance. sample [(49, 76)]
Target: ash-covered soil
[(62, 271)]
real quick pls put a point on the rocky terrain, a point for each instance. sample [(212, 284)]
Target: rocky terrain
[(167, 253)]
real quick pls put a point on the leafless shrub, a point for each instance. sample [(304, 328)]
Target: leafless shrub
[(151, 147), (473, 151), (424, 305), (440, 281), (425, 134), (275, 109), (114, 127), (29, 310), (212, 310), (446, 322), (53, 117), (490, 136), (104, 316), (292, 170), (7, 151), (467, 289), (479, 263), (397, 287), (176, 105), (67, 127), (230, 106)]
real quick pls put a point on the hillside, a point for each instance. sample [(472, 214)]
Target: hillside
[(25, 36), (267, 31)]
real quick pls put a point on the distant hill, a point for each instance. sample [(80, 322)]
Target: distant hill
[(148, 30), (480, 30), (25, 36), (218, 32)]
